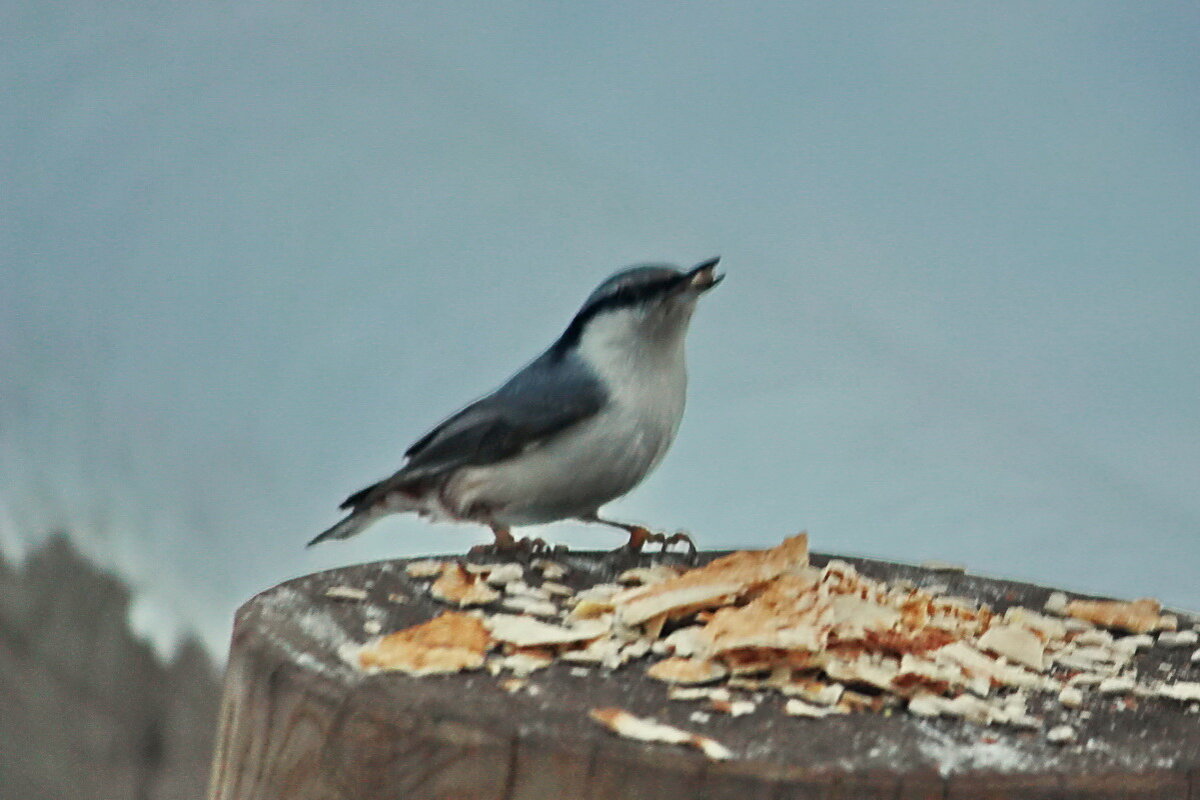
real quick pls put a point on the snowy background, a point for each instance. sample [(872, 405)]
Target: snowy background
[(250, 251)]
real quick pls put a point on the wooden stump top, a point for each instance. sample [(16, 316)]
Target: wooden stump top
[(300, 722)]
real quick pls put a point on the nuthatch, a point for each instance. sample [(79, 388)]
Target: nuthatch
[(580, 426)]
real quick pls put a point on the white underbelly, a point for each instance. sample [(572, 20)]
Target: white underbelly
[(574, 473)]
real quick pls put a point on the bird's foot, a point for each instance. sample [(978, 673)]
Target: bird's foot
[(528, 545), (533, 544), (678, 537), (536, 545), (639, 536)]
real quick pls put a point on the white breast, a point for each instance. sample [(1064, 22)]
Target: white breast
[(647, 384), (600, 459)]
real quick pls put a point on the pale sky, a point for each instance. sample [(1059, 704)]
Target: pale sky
[(251, 251)]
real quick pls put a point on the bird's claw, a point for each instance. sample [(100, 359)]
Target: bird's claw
[(539, 546), (676, 538), (530, 545), (639, 536), (533, 544)]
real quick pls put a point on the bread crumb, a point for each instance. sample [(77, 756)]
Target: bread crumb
[(942, 566), (1070, 697), (348, 593), (425, 568), (450, 642), (1178, 638), (643, 729), (1056, 603), (1061, 734)]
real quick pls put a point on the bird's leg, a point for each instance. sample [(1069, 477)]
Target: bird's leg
[(502, 543), (504, 540), (640, 534), (505, 543)]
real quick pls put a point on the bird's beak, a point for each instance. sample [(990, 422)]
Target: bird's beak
[(704, 275)]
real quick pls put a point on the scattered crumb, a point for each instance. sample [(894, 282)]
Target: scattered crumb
[(1137, 616), (504, 573), (1056, 603), (557, 589), (530, 605), (647, 575), (450, 642), (1181, 690), (699, 693), (687, 670), (1132, 644), (1120, 685), (426, 568), (524, 662), (709, 585), (1016, 644), (770, 622), (1178, 638), (1061, 734), (348, 593), (528, 632), (943, 566), (1070, 697), (458, 586), (551, 570), (625, 724), (734, 708), (798, 708)]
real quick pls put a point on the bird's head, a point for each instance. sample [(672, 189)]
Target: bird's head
[(641, 307)]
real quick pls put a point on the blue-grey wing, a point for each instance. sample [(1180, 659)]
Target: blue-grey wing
[(547, 397)]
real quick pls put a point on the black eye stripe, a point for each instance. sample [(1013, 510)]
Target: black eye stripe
[(631, 295), (621, 297)]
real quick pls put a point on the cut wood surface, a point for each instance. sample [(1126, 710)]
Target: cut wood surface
[(299, 722)]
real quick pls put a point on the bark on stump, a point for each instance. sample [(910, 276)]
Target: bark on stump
[(298, 723)]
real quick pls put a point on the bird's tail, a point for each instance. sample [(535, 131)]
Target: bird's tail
[(351, 525), (391, 496)]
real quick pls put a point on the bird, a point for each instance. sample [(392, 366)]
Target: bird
[(578, 427)]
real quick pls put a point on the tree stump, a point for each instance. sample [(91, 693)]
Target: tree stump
[(299, 722)]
